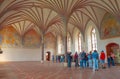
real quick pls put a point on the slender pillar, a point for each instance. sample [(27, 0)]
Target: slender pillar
[(65, 37), (56, 46), (42, 47)]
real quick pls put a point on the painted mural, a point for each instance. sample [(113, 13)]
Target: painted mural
[(110, 27), (31, 39), (10, 38)]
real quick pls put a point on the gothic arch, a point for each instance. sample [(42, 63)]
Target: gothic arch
[(88, 30)]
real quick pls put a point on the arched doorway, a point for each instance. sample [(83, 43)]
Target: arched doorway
[(48, 56), (113, 47)]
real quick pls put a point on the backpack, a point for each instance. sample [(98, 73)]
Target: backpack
[(83, 55)]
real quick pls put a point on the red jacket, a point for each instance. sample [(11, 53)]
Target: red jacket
[(102, 56)]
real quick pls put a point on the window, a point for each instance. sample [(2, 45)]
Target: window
[(68, 44), (93, 39), (59, 45), (79, 42)]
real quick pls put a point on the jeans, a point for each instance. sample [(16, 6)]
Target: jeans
[(90, 63), (95, 64), (84, 63), (81, 63), (69, 63), (108, 63), (112, 61), (76, 63)]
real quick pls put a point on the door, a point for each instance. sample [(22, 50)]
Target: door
[(113, 47), (48, 56)]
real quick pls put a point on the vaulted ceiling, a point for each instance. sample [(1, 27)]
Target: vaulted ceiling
[(55, 15)]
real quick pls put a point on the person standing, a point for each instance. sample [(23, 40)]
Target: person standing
[(56, 58), (95, 57), (80, 60), (69, 59), (86, 59), (112, 56), (90, 59), (102, 59), (108, 60), (53, 58), (76, 59), (83, 55), (62, 58)]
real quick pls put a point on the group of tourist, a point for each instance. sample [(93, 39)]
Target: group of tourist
[(58, 58), (93, 60)]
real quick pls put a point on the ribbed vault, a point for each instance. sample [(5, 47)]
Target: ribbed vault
[(77, 12)]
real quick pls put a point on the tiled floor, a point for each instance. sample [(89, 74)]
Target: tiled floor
[(49, 70)]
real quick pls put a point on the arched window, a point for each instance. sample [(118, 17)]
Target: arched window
[(93, 39), (79, 42), (68, 44), (59, 45)]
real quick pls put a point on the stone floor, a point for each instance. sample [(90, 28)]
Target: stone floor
[(49, 70)]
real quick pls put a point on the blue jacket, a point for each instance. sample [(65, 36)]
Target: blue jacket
[(95, 55), (89, 56)]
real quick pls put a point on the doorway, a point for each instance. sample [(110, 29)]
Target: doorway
[(48, 56), (113, 47)]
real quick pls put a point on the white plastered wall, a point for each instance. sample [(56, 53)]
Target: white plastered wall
[(20, 54)]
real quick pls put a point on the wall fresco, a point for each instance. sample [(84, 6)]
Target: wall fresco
[(110, 27), (32, 39), (9, 38)]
